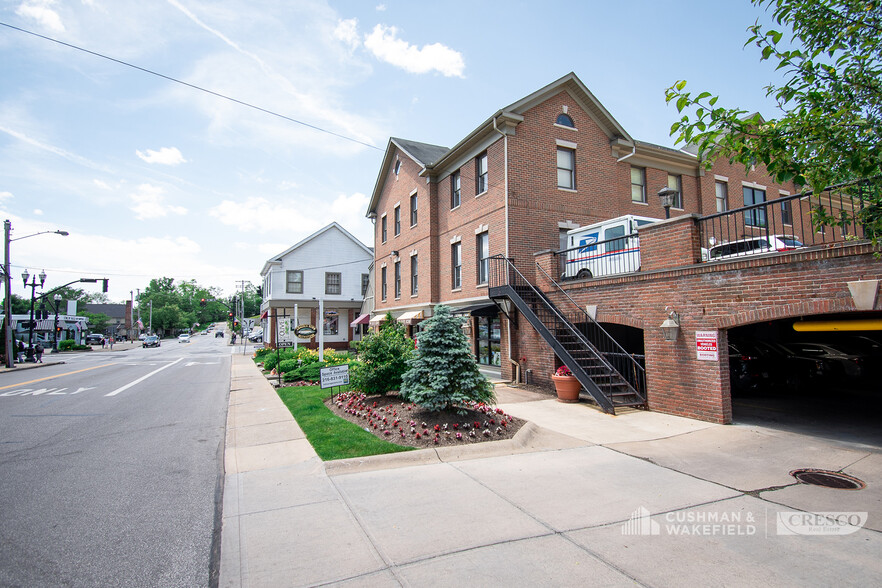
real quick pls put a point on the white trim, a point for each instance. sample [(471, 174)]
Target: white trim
[(721, 178), (482, 193), (568, 224), (571, 190), (566, 127), (456, 239), (564, 108), (415, 190), (482, 229), (783, 193), (752, 185), (414, 252), (565, 144)]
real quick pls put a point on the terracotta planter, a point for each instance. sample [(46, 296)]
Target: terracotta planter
[(567, 388)]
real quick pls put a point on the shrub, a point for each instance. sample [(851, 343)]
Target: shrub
[(287, 365), (443, 373), (71, 345), (382, 359)]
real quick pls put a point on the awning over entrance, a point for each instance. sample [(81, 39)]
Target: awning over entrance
[(410, 317), (264, 315), (478, 310), (361, 320), (376, 320)]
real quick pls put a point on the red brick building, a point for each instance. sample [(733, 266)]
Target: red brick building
[(553, 161)]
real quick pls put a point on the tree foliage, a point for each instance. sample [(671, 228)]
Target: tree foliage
[(179, 306), (830, 107), (382, 359), (443, 373)]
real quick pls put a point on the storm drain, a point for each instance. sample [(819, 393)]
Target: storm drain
[(828, 479)]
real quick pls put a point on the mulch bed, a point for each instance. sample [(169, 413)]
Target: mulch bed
[(403, 423)]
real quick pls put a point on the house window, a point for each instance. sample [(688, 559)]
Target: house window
[(294, 282), (481, 173), (414, 276), (397, 279), (755, 217), (383, 283), (397, 220), (365, 281), (383, 232), (638, 184), (483, 241), (456, 264), (565, 120), (397, 166), (787, 212), (332, 282), (722, 191), (455, 189), (676, 183), (566, 168), (413, 209)]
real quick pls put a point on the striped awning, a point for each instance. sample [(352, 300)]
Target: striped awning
[(411, 317), (361, 320)]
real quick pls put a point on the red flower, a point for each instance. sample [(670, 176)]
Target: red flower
[(563, 371)]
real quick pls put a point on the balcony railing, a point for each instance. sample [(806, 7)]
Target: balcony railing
[(787, 223)]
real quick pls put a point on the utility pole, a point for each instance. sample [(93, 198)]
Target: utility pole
[(7, 304)]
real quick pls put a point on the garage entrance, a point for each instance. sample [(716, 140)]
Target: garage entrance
[(798, 375)]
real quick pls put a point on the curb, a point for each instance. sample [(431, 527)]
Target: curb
[(24, 367)]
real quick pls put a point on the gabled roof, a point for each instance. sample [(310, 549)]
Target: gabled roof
[(434, 157), (276, 259)]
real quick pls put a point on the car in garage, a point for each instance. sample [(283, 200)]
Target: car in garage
[(150, 341)]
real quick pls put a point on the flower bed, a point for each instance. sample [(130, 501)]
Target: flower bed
[(410, 425)]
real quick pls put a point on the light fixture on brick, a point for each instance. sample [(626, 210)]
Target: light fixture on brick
[(671, 327)]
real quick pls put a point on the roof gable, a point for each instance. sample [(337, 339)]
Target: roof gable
[(276, 259)]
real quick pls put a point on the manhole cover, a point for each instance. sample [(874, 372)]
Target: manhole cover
[(828, 479)]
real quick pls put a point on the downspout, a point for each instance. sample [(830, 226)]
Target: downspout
[(633, 151), (505, 168)]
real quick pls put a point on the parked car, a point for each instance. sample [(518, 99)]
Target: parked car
[(150, 341), (94, 339), (184, 338), (754, 246)]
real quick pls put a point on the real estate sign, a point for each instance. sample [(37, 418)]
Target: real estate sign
[(336, 375)]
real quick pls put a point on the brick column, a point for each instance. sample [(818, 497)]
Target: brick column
[(670, 243)]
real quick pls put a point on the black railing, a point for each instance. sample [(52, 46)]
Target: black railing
[(601, 258), (597, 368), (627, 364), (786, 223)]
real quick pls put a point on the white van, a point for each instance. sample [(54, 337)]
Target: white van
[(606, 248)]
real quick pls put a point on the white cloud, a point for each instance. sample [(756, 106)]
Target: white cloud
[(149, 202), (165, 156), (6, 196), (381, 8), (102, 184), (38, 212), (384, 43), (42, 12), (347, 31)]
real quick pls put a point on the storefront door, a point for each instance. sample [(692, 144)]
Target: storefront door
[(488, 340)]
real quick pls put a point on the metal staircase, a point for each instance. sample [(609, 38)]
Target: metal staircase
[(610, 375)]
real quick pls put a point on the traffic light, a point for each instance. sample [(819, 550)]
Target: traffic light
[(104, 287), (202, 303), (231, 315)]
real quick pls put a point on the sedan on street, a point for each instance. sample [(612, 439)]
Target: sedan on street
[(150, 341)]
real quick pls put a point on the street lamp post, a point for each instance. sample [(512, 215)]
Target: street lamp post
[(667, 196), (57, 299), (7, 278), (33, 285)]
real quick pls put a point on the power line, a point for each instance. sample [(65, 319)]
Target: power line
[(189, 85)]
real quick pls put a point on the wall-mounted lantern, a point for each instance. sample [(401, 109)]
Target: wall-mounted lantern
[(671, 326)]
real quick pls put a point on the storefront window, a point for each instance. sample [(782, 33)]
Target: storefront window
[(331, 322)]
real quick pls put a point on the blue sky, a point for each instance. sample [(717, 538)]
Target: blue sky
[(153, 178)]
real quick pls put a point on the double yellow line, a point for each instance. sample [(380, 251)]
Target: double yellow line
[(56, 376)]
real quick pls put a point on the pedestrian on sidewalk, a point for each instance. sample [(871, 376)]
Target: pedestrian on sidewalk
[(111, 342), (38, 353), (21, 352)]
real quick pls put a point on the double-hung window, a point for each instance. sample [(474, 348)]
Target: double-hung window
[(383, 234), (397, 221), (566, 168), (675, 182), (722, 194), (333, 282), (383, 283), (755, 217), (413, 209), (365, 280), (638, 184), (294, 282), (414, 275), (481, 176), (483, 243), (455, 189), (397, 279), (456, 264)]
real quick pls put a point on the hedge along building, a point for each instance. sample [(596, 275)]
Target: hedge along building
[(324, 278), (553, 161)]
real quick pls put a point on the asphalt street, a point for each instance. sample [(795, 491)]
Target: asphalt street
[(112, 467)]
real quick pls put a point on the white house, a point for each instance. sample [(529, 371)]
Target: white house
[(324, 277)]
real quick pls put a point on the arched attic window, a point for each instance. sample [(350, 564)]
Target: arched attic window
[(564, 120)]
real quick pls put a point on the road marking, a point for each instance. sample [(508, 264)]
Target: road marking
[(189, 363), (142, 378), (58, 376)]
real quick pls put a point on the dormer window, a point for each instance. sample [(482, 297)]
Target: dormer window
[(565, 120)]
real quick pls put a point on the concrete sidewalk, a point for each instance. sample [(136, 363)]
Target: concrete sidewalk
[(577, 498)]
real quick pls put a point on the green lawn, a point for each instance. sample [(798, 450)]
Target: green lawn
[(330, 436)]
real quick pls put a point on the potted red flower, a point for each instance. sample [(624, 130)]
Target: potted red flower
[(566, 385)]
